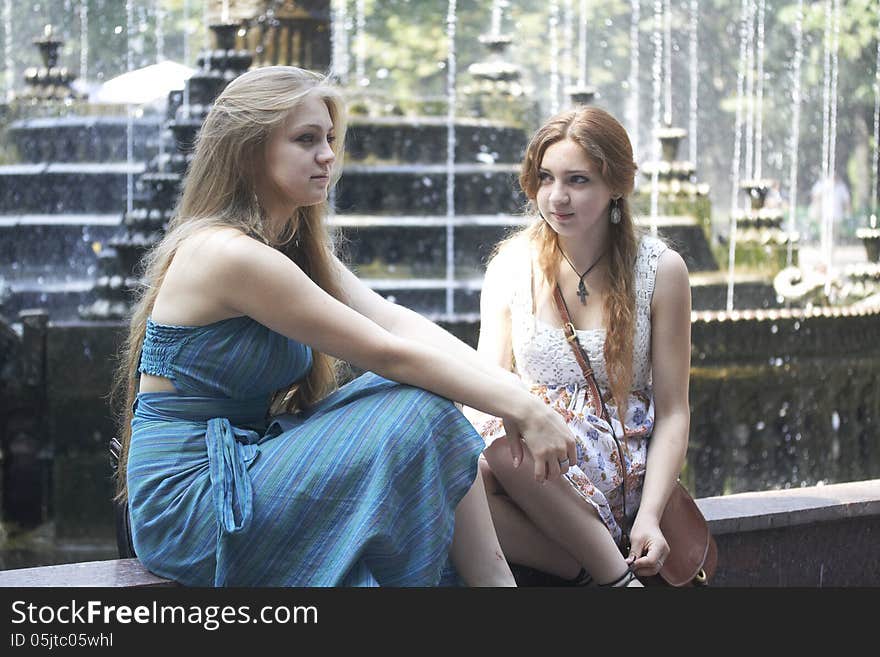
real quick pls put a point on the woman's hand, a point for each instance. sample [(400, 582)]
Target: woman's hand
[(547, 437), (648, 547)]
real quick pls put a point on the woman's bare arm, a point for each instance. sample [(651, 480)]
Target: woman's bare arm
[(670, 363), (243, 276)]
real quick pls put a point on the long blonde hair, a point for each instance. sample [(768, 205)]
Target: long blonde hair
[(607, 145), (219, 190)]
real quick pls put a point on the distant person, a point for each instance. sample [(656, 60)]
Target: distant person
[(628, 297), (829, 200), (244, 308), (774, 199)]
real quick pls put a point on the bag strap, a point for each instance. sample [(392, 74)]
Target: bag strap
[(593, 391), (581, 356)]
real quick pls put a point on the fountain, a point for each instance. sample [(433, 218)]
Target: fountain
[(157, 188), (48, 82), (56, 204), (423, 199)]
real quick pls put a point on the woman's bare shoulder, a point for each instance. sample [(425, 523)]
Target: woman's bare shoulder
[(671, 267), (214, 250), (213, 238), (672, 284), (206, 264), (511, 255)]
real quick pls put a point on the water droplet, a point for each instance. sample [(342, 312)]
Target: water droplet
[(835, 421), (774, 328)]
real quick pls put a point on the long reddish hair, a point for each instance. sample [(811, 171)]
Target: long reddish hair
[(609, 150)]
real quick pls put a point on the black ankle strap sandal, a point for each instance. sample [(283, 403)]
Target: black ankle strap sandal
[(621, 581), (583, 578)]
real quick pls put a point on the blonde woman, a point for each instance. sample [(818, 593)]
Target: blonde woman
[(629, 299), (244, 309)]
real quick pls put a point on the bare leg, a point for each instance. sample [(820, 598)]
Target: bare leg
[(523, 543), (476, 552), (559, 512)]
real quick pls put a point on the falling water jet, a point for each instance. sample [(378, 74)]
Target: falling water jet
[(360, 54), (737, 145), (206, 34), (160, 57), (497, 11), (795, 127), (750, 91), (667, 63), (829, 134), (450, 158), (84, 40), (7, 50), (655, 115), (693, 52), (339, 48), (567, 54), (870, 235), (759, 93), (553, 24), (129, 108), (875, 162), (634, 86), (582, 93), (832, 147), (582, 44), (160, 32), (186, 53)]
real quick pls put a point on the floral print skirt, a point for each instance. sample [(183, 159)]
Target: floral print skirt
[(597, 475)]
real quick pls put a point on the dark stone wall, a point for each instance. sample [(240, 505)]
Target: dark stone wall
[(80, 361), (834, 553)]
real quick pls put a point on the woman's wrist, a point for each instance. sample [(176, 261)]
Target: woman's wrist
[(520, 404)]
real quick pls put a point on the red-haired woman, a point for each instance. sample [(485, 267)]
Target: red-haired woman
[(628, 296)]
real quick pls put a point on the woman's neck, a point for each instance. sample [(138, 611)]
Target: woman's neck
[(276, 219), (585, 251)]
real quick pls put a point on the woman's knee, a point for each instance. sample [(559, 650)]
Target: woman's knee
[(493, 486), (497, 455)]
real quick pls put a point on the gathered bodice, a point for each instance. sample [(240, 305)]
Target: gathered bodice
[(235, 358), (544, 357)]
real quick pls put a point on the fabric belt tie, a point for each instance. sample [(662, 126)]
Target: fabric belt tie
[(231, 484)]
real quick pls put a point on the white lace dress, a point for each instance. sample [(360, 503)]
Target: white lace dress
[(544, 360)]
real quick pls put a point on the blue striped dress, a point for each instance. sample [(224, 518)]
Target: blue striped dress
[(360, 490)]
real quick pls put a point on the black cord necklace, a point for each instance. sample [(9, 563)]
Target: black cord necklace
[(582, 289)]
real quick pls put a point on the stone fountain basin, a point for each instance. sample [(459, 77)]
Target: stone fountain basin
[(68, 187), (84, 138), (421, 189), (424, 139)]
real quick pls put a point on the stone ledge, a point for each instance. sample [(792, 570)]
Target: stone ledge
[(736, 520), (124, 573), (775, 509)]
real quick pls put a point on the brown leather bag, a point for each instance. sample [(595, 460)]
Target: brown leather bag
[(693, 554)]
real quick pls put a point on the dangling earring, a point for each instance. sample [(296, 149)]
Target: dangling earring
[(615, 211)]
